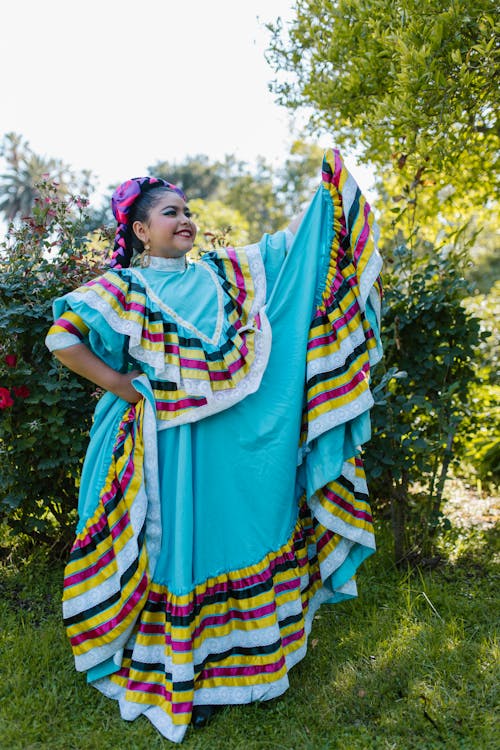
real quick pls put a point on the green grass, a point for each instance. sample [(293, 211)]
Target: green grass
[(410, 664)]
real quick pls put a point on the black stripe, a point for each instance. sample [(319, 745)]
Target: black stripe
[(92, 611), (354, 210), (320, 377), (262, 650)]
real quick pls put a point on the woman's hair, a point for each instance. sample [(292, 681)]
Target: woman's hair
[(133, 201), (141, 211)]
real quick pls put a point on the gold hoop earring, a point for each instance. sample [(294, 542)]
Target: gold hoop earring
[(145, 257)]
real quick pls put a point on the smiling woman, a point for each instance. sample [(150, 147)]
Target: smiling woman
[(222, 497), (169, 231)]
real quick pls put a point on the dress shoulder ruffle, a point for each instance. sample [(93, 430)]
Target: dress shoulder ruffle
[(192, 374)]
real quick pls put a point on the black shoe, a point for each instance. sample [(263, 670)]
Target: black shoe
[(201, 715)]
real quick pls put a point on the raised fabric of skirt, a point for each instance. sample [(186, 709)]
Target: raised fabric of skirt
[(206, 545)]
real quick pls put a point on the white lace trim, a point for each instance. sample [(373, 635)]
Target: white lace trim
[(339, 415), (370, 274), (169, 265), (55, 341), (144, 510), (338, 358)]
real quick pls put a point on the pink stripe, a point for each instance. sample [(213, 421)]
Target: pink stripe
[(149, 688), (287, 586), (346, 505), (150, 629), (243, 671), (120, 526), (183, 403), (234, 615), (194, 364), (63, 323), (91, 571), (90, 533), (149, 336), (102, 630), (337, 325), (127, 474), (340, 391), (111, 494), (137, 307), (172, 349), (111, 288), (363, 235), (323, 540), (338, 168), (240, 280), (297, 636), (332, 299)]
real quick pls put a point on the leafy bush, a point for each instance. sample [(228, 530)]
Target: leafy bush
[(422, 391), (45, 412), (478, 435)]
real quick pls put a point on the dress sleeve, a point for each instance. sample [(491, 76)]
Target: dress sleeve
[(274, 249), (344, 335), (69, 329), (84, 316)]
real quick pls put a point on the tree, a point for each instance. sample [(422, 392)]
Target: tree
[(25, 170), (411, 83), (218, 225), (196, 175), (45, 411)]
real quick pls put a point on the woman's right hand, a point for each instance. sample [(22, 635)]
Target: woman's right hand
[(124, 388), (81, 360)]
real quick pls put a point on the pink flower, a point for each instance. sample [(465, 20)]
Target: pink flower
[(11, 360), (5, 398), (21, 391)]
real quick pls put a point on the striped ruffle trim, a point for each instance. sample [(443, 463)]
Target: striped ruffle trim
[(106, 580), (235, 636), (191, 378), (342, 345)]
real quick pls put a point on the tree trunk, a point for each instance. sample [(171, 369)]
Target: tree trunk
[(398, 518)]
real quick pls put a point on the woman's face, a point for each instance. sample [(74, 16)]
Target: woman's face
[(170, 231)]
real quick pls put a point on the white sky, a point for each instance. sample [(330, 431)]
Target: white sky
[(114, 86)]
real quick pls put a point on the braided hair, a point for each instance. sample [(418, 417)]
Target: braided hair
[(132, 201)]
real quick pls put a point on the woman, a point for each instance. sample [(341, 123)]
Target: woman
[(222, 497)]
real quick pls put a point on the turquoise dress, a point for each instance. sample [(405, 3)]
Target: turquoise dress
[(219, 512)]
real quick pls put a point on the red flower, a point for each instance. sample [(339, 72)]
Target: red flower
[(21, 391), (11, 360), (5, 398)]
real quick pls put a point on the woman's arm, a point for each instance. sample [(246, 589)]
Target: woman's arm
[(295, 222), (81, 360)]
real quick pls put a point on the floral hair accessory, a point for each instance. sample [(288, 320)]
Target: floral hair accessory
[(122, 201)]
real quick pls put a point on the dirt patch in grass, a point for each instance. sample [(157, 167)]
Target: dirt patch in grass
[(468, 506)]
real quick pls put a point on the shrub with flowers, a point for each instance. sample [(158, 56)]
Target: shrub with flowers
[(45, 411)]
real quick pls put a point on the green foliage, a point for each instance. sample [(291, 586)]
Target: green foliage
[(409, 82), (422, 391), (45, 412), (479, 435), (24, 169), (218, 225), (198, 176)]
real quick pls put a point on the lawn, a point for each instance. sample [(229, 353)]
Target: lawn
[(412, 663)]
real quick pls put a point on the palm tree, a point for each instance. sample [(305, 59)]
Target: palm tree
[(24, 170)]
